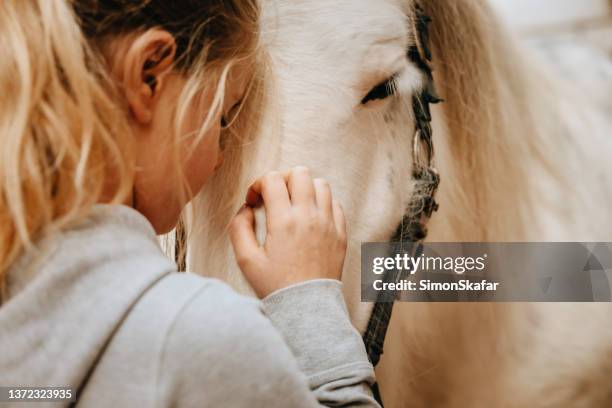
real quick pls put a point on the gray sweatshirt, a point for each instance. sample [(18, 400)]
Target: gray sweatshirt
[(101, 309)]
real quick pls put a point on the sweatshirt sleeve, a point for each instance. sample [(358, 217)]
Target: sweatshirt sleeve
[(301, 355), (313, 319)]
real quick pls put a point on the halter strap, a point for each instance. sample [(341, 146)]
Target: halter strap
[(412, 230)]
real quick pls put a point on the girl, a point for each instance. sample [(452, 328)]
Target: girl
[(110, 122)]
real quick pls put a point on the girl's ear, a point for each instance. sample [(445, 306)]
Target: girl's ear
[(147, 62)]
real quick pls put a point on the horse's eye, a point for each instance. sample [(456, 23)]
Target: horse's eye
[(383, 90)]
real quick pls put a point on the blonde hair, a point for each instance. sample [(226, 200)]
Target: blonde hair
[(60, 125), (65, 129)]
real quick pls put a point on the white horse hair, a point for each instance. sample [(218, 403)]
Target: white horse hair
[(521, 156)]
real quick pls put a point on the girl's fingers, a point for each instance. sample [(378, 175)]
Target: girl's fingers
[(242, 235), (323, 196), (339, 220), (270, 190), (301, 187)]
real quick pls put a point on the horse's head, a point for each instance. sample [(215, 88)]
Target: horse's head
[(339, 87), (341, 103)]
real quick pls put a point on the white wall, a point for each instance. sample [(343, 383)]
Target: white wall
[(533, 14)]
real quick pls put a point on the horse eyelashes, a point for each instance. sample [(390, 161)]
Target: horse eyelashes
[(383, 90)]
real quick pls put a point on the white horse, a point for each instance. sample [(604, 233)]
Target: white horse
[(521, 159)]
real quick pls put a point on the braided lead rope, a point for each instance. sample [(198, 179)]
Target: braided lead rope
[(412, 231)]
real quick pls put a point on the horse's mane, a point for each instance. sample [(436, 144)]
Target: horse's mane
[(508, 131)]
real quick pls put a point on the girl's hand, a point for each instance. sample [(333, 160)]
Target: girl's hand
[(306, 232)]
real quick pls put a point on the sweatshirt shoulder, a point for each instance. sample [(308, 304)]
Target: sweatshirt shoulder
[(200, 308), (220, 345)]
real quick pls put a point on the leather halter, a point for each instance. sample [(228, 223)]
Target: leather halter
[(412, 230)]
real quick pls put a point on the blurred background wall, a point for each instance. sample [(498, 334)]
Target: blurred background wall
[(574, 35), (588, 19)]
